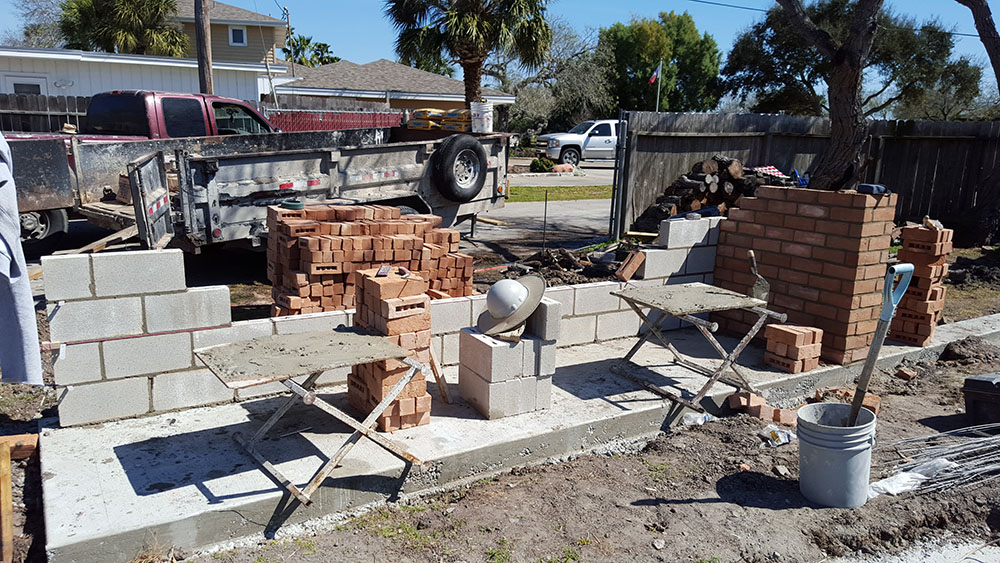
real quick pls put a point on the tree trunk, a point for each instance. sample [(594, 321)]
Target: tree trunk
[(987, 31), (837, 166), (472, 73)]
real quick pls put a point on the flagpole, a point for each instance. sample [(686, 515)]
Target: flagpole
[(659, 79)]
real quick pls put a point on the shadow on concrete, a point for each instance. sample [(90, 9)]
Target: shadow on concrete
[(748, 489)]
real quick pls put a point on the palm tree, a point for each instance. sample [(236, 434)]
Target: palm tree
[(122, 26), (469, 31), (300, 49)]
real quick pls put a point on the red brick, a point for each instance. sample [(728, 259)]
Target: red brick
[(842, 272), (753, 204), (771, 192), (824, 283), (630, 265), (851, 215), (741, 215), (932, 248), (832, 227), (884, 214), (744, 400), (793, 276), (728, 226), (879, 243), (802, 195), (763, 412), (768, 218), (783, 207), (866, 229), (766, 245), (797, 250), (805, 352), (803, 292), (850, 244), (788, 302), (923, 234), (814, 239), (781, 234), (815, 211), (787, 417), (788, 334), (752, 229)]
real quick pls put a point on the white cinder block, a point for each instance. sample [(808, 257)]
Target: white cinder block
[(311, 322), (450, 347), (596, 298), (436, 347), (546, 321), (578, 330), (617, 325), (714, 229), (97, 318), (147, 354), (675, 280), (104, 400), (492, 400), (543, 392), (565, 295), (662, 263), (526, 390), (539, 356), (81, 363), (237, 332), (193, 308), (67, 277), (138, 271), (450, 315), (494, 360), (187, 389), (683, 233), (478, 304), (701, 260)]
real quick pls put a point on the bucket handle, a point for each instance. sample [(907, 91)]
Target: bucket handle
[(891, 297)]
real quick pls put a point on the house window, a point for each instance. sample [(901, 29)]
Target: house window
[(238, 35), (23, 88), (21, 84)]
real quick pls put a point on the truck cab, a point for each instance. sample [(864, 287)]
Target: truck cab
[(165, 115), (590, 140)]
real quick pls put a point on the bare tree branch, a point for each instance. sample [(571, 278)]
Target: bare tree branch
[(987, 30), (818, 37)]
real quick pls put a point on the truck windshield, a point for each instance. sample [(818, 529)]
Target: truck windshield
[(581, 128), (120, 114)]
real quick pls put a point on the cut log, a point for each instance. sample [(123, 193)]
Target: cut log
[(728, 188), (686, 182), (729, 166), (709, 166), (713, 187)]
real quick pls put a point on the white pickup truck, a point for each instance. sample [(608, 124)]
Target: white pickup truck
[(590, 140)]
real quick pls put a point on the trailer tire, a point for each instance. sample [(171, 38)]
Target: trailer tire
[(46, 230), (458, 169)]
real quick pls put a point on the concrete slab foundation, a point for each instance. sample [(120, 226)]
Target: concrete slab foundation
[(180, 479)]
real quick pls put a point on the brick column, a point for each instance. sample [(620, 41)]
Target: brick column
[(824, 254)]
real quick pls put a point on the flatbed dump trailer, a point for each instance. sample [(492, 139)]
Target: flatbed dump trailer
[(194, 192)]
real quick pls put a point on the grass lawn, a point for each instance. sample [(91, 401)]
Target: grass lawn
[(558, 193)]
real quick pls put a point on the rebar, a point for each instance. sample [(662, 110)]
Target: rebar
[(975, 450)]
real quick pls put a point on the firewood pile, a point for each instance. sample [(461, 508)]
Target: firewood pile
[(718, 182)]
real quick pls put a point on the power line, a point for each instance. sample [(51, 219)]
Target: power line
[(752, 9)]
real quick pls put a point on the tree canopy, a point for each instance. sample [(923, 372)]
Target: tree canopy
[(469, 31), (41, 25), (140, 27), (690, 63), (301, 49), (432, 62), (773, 63)]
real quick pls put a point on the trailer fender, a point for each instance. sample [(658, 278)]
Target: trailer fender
[(458, 168)]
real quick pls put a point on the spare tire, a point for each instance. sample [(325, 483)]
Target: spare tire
[(458, 168)]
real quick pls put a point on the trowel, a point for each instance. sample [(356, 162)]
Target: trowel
[(760, 287)]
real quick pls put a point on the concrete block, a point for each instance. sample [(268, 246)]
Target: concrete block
[(98, 318), (565, 295), (147, 354), (494, 360), (311, 322), (709, 278), (139, 271), (617, 325), (436, 347), (546, 321), (714, 229), (539, 356), (105, 400), (543, 392), (662, 263), (193, 308), (478, 304), (578, 330), (80, 364), (238, 331), (674, 280), (450, 349), (450, 315), (701, 260), (492, 400), (596, 298), (186, 389), (525, 395), (683, 233), (67, 277)]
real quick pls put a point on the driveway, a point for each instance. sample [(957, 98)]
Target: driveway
[(598, 173), (570, 224)]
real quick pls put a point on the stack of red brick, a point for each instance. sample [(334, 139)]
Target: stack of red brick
[(755, 405), (793, 349), (313, 254), (824, 254), (919, 310), (398, 308)]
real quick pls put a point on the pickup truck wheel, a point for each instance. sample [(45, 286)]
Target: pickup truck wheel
[(570, 156), (458, 169), (42, 230)]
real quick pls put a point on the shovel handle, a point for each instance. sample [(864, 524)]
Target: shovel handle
[(891, 296)]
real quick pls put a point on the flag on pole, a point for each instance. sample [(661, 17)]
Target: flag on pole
[(656, 73)]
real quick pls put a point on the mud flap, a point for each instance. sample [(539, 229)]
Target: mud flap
[(151, 199)]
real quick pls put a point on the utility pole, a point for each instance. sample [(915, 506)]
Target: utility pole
[(203, 40), (659, 80)]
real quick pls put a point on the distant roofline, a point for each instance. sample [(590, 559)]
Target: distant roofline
[(117, 58), (393, 94), (278, 23)]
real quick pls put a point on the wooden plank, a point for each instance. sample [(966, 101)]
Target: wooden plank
[(6, 506), (439, 378), (21, 446)]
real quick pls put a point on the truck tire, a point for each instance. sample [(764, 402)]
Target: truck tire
[(458, 169), (570, 155), (41, 231)]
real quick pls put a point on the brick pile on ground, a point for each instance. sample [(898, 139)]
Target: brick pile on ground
[(314, 252), (793, 349), (824, 254), (500, 378), (920, 309), (755, 406), (398, 308)]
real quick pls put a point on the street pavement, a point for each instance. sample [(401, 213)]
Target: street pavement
[(599, 173)]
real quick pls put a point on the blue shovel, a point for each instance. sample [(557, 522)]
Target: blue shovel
[(890, 298)]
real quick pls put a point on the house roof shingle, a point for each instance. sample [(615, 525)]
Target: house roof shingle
[(381, 75), (225, 12)]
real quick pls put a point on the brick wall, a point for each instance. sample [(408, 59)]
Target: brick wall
[(824, 254)]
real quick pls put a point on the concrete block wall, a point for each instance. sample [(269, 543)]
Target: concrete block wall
[(686, 247)]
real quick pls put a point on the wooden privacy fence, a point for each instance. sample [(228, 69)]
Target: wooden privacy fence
[(942, 169), (35, 113)]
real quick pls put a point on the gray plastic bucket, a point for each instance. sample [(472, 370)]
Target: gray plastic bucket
[(834, 460)]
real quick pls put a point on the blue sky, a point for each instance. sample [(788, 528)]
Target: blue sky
[(357, 30)]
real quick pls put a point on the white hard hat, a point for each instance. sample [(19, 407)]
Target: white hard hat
[(504, 297)]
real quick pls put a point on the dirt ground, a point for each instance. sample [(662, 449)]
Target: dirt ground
[(700, 494), (973, 283)]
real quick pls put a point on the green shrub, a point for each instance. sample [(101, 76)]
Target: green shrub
[(542, 165)]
